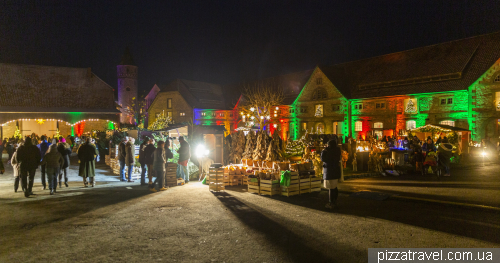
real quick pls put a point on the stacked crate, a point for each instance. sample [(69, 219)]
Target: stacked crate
[(305, 185), (217, 179), (171, 174), (270, 187), (315, 184), (293, 188), (253, 187)]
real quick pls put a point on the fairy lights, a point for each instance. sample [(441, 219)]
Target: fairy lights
[(42, 121)]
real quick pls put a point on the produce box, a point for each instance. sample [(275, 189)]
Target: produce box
[(216, 187), (254, 189), (270, 187)]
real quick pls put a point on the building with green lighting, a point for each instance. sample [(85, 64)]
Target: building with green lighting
[(455, 83)]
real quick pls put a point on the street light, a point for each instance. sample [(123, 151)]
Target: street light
[(484, 155), (201, 151)]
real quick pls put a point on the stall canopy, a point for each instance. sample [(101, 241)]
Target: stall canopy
[(439, 128)]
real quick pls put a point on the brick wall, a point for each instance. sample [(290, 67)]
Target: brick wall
[(179, 105)]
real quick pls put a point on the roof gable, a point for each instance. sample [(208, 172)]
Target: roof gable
[(46, 87), (201, 95)]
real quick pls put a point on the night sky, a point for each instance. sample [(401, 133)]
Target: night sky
[(228, 41)]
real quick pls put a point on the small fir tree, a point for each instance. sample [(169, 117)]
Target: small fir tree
[(260, 151), (274, 152), (250, 145)]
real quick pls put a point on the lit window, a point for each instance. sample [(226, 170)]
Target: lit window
[(203, 114), (169, 103), (320, 94), (319, 81), (213, 114), (446, 101), (379, 135), (182, 114), (304, 126), (448, 122), (221, 114), (497, 78), (410, 125), (358, 126), (378, 125)]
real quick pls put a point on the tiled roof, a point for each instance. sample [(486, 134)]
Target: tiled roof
[(443, 67), (44, 87), (200, 95)]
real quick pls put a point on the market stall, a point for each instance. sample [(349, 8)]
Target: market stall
[(459, 137)]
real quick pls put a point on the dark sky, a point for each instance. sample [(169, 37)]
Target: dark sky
[(228, 41)]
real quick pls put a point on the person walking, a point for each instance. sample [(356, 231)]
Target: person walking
[(130, 158), (160, 159), (86, 154), (17, 169), (29, 157), (65, 150), (121, 158), (149, 160), (184, 155), (331, 171), (43, 147), (53, 160), (142, 156)]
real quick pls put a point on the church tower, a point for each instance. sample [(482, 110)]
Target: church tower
[(127, 85)]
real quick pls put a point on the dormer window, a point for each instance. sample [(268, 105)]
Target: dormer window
[(319, 81)]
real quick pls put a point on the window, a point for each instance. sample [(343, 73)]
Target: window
[(169, 114), (203, 114), (335, 107), (358, 106), (303, 110), (446, 101), (358, 126), (448, 122), (213, 114), (379, 135), (378, 125), (380, 105), (304, 126), (221, 114), (319, 94), (292, 111), (497, 78), (410, 125), (169, 103), (230, 114), (127, 89), (182, 114), (319, 81)]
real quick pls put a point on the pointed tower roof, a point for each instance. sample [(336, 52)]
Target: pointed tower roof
[(127, 58)]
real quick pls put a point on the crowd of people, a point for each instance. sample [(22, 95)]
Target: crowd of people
[(53, 158)]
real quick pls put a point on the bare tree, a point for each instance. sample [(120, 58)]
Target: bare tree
[(260, 103)]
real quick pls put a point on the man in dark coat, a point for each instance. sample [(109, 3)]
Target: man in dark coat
[(142, 156), (29, 158), (331, 157), (65, 150), (121, 158), (87, 154), (149, 160), (184, 155), (43, 147)]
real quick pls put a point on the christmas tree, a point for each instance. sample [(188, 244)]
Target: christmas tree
[(260, 148), (294, 148), (240, 146), (273, 150), (250, 145), (410, 106)]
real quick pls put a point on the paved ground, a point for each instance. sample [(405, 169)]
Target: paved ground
[(123, 222)]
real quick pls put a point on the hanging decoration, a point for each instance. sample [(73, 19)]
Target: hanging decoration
[(410, 106), (40, 121)]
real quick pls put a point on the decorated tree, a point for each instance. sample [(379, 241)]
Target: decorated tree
[(260, 103), (161, 122), (274, 152), (410, 106), (250, 145), (261, 146), (294, 148)]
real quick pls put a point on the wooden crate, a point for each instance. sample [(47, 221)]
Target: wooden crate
[(270, 187), (254, 189), (288, 192), (216, 187)]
